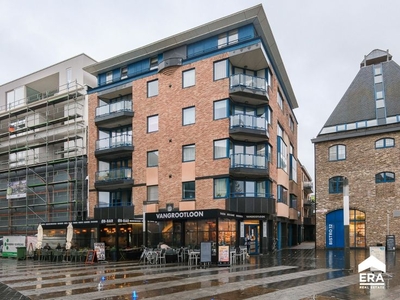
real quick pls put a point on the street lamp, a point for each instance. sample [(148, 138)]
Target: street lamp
[(346, 219)]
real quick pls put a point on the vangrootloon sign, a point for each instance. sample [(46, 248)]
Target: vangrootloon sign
[(180, 215)]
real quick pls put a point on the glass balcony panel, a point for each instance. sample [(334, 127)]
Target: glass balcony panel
[(114, 174), (248, 161), (113, 142), (248, 121), (113, 108), (248, 81)]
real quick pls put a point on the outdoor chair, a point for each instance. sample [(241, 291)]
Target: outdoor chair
[(161, 259), (57, 255), (181, 255)]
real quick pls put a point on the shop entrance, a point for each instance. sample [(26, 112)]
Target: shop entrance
[(253, 230)]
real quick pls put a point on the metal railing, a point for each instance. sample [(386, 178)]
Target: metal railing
[(115, 107), (247, 121), (248, 81), (248, 161), (114, 174), (114, 142)]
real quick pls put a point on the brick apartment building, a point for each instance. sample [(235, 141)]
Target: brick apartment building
[(196, 135), (360, 141)]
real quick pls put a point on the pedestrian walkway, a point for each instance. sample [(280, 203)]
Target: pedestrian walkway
[(300, 272)]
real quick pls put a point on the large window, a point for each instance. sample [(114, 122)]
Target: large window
[(188, 190), (152, 193), (384, 143), (109, 77), (280, 100), (152, 123), (15, 98), (282, 154), (152, 158), (221, 149), (336, 185), (249, 188), (221, 187), (282, 194), (221, 109), (384, 177), (152, 88), (228, 38), (188, 78), (188, 115), (337, 152), (188, 153), (220, 69)]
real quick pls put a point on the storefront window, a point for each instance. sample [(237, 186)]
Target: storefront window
[(227, 232)]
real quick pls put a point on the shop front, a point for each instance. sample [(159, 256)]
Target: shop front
[(189, 229), (124, 237)]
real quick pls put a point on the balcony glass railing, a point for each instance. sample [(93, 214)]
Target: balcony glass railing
[(248, 81), (248, 121), (251, 195), (114, 142), (114, 174), (113, 108), (248, 161)]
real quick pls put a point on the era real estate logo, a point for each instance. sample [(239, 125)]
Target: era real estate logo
[(370, 280)]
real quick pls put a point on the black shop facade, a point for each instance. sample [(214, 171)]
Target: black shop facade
[(190, 228)]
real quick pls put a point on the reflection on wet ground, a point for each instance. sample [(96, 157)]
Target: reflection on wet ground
[(288, 274)]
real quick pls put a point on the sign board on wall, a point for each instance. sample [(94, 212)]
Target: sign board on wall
[(223, 255), (10, 244), (100, 251)]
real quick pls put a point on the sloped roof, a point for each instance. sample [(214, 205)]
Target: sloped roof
[(358, 102)]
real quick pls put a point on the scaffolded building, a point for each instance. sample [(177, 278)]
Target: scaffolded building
[(43, 132)]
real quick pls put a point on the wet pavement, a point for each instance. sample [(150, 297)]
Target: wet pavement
[(300, 272)]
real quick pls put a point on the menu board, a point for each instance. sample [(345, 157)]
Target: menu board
[(223, 255), (91, 257), (100, 251), (205, 252)]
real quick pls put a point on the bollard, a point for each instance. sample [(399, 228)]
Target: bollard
[(100, 286), (134, 296)]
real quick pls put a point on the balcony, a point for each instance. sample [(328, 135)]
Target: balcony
[(248, 128), (308, 186), (117, 146), (109, 180), (169, 62), (250, 204), (294, 214), (248, 89), (114, 212), (249, 165), (114, 114)]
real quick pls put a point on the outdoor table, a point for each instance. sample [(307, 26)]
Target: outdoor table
[(193, 255)]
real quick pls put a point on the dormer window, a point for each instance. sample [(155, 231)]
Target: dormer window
[(124, 73), (153, 63)]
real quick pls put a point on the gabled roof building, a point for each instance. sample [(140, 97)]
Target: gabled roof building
[(360, 142)]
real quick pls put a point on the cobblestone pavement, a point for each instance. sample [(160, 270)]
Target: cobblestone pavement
[(300, 272)]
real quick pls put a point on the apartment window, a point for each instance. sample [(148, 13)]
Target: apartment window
[(152, 193), (152, 88), (384, 143), (337, 152), (293, 201), (152, 158), (291, 123), (188, 78), (336, 185), (221, 187), (221, 109), (220, 69), (188, 153), (282, 154), (69, 75), (293, 168), (188, 190), (228, 38), (153, 63), (221, 149), (124, 72), (15, 98), (109, 77), (188, 115), (282, 194), (280, 100), (269, 115), (384, 177), (152, 123)]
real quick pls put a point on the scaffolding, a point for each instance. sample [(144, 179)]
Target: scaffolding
[(43, 160)]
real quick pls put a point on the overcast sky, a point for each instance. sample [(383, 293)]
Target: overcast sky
[(321, 42)]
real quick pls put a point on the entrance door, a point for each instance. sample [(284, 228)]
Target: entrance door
[(253, 231)]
